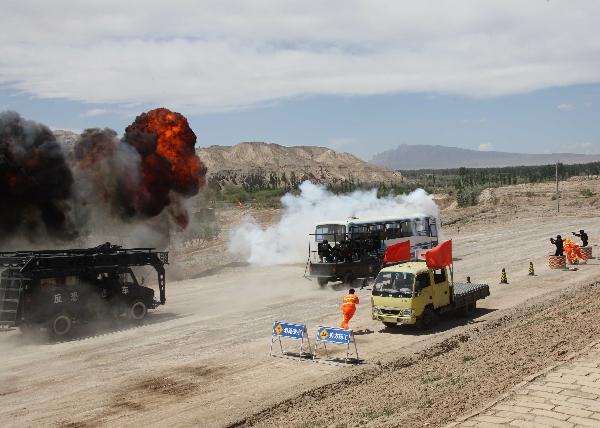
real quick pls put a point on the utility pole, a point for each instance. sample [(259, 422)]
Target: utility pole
[(557, 195)]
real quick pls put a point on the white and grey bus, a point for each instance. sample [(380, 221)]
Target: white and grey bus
[(354, 248)]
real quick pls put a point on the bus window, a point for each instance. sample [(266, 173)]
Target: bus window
[(392, 231), (378, 231), (421, 227), (406, 229), (359, 231), (330, 232)]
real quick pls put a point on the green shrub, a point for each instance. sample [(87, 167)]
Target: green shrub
[(467, 196)]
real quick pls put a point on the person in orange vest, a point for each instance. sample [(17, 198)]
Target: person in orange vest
[(349, 307)]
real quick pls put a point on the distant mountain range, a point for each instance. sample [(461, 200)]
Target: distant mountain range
[(408, 157)]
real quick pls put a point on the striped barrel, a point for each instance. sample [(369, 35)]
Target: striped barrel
[(587, 251), (557, 262)]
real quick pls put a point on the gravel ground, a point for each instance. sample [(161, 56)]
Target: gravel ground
[(439, 383)]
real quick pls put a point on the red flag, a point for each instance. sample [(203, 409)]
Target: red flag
[(439, 256), (399, 252)]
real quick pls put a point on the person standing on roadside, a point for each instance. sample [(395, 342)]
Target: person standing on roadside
[(349, 307)]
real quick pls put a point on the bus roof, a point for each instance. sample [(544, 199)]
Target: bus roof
[(370, 220)]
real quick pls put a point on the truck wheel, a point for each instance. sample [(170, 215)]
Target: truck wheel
[(348, 278), (426, 320), (60, 325), (137, 311), (322, 281)]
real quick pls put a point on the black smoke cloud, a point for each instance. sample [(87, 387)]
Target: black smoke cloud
[(107, 172), (36, 182), (104, 186)]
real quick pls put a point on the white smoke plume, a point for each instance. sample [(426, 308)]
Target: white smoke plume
[(287, 241)]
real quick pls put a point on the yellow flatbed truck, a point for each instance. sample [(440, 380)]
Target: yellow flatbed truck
[(411, 293)]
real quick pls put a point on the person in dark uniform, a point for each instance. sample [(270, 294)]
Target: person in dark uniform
[(560, 251), (324, 250), (583, 236)]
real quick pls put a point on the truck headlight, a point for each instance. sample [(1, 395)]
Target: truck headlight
[(407, 312)]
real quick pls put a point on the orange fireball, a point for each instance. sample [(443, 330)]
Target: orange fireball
[(166, 144)]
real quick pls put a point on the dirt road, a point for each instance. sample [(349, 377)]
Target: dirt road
[(203, 358)]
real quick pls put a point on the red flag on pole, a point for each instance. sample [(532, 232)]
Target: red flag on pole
[(439, 256), (399, 252)]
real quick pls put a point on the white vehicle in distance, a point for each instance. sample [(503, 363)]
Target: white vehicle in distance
[(354, 248)]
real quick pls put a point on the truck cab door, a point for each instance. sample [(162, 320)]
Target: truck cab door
[(423, 292), (441, 290)]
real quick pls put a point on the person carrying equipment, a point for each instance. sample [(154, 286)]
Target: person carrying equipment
[(349, 307), (560, 251), (583, 236)]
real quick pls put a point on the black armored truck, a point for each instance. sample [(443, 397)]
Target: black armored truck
[(55, 289)]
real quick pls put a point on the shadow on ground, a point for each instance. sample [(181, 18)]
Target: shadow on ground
[(445, 323), (41, 336)]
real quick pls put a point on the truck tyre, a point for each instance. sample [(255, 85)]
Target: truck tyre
[(427, 319), (348, 278), (137, 310), (322, 281), (60, 325)]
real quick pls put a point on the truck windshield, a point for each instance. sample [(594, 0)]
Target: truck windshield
[(400, 283), (330, 232)]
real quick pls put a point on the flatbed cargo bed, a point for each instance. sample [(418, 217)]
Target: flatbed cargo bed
[(466, 294)]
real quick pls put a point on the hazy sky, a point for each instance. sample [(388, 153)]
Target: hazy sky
[(358, 76)]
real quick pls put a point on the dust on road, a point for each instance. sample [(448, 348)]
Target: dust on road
[(203, 358)]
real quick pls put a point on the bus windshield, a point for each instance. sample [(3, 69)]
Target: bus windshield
[(400, 283)]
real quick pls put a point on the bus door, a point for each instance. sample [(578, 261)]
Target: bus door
[(433, 231)]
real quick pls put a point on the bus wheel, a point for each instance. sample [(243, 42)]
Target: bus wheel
[(322, 281), (426, 320), (137, 311), (60, 325)]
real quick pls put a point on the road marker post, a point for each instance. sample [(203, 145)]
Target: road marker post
[(503, 277), (531, 270), (290, 331), (337, 336)]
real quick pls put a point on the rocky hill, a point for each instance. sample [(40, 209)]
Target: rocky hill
[(263, 165), (407, 157), (259, 165)]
